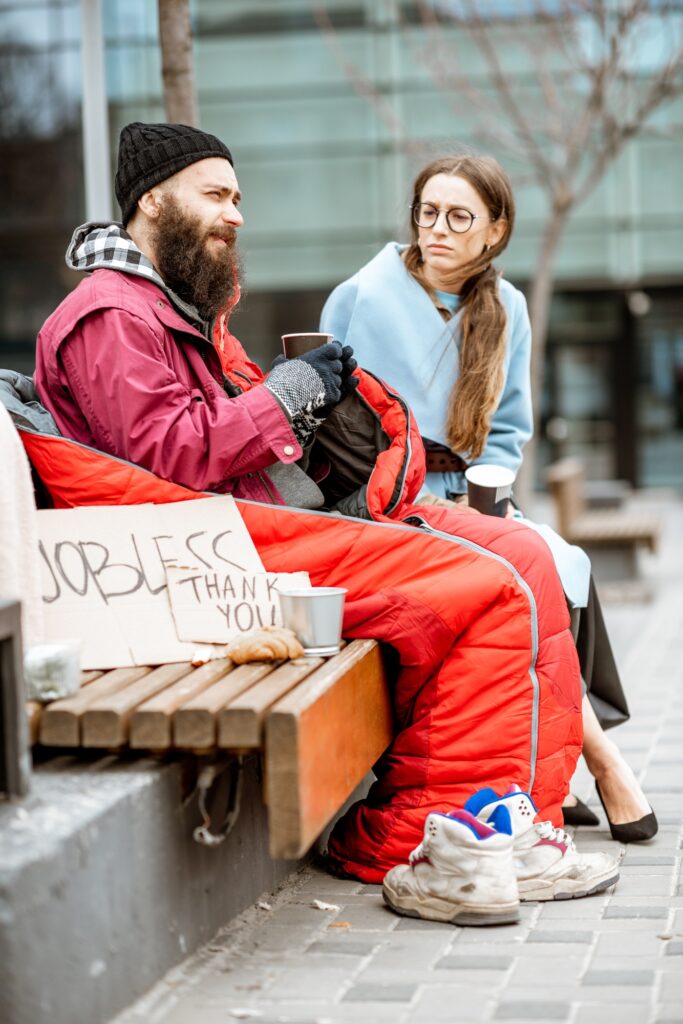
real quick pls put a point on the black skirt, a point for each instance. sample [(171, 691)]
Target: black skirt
[(598, 667)]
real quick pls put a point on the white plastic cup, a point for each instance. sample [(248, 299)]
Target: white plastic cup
[(296, 344), (489, 489), (52, 671), (315, 614)]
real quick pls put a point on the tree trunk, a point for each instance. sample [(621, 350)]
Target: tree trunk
[(539, 314), (175, 39)]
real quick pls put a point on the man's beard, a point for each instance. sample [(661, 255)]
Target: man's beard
[(204, 277)]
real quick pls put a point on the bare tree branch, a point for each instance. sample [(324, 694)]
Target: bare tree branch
[(616, 134), (363, 85), (501, 81), (583, 96)]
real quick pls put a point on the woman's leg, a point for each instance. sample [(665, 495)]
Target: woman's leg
[(619, 787), (621, 792)]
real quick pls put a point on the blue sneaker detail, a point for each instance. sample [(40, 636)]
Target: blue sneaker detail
[(500, 820), (480, 799), (480, 829)]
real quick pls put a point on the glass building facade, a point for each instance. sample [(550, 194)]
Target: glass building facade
[(329, 109)]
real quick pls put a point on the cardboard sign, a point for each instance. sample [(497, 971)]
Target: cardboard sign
[(215, 607), (104, 574)]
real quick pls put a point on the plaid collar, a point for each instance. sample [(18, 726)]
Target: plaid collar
[(107, 246)]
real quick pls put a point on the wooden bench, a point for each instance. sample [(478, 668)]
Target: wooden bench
[(319, 725), (610, 537)]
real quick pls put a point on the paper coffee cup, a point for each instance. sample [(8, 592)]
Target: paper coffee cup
[(296, 344), (489, 489), (315, 614)]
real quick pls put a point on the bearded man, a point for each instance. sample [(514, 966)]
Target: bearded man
[(127, 364)]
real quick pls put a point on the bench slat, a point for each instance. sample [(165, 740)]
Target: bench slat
[(194, 725), (615, 529), (34, 708), (60, 721), (105, 722), (321, 740), (240, 725), (89, 677), (151, 723)]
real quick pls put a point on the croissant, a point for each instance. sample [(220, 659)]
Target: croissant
[(271, 643)]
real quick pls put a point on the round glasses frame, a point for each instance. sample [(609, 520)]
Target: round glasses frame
[(425, 216)]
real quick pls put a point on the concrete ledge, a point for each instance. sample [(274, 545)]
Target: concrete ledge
[(103, 889)]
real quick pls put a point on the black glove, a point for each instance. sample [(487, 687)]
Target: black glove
[(349, 364), (348, 383), (307, 385), (328, 364)]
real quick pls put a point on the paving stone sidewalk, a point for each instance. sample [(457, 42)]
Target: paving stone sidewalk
[(615, 957)]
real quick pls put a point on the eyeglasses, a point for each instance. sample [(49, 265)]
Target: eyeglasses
[(458, 219)]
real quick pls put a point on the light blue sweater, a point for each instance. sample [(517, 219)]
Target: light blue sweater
[(398, 334)]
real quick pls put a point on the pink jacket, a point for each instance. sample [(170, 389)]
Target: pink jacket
[(122, 371)]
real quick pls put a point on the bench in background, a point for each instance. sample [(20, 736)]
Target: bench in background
[(610, 537)]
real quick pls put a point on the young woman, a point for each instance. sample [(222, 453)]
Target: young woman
[(438, 322)]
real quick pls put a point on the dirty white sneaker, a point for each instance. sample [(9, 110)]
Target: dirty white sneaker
[(462, 872), (547, 863)]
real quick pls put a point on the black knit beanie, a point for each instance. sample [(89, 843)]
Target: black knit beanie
[(151, 153)]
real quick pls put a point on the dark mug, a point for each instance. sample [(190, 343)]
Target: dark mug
[(489, 489), (296, 344)]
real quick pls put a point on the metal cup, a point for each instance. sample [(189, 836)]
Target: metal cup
[(296, 344), (315, 614), (489, 489)]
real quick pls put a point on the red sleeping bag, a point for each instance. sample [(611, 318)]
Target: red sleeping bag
[(488, 692)]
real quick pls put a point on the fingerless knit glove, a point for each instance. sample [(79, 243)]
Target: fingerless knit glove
[(307, 383)]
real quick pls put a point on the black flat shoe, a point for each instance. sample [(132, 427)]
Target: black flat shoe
[(579, 814), (631, 831)]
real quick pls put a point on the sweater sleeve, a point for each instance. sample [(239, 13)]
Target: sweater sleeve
[(138, 409), (338, 310), (512, 424)]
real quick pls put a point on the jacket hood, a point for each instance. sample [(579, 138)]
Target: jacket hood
[(100, 245), (108, 246)]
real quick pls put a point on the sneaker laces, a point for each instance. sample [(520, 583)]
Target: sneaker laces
[(546, 830), (418, 854)]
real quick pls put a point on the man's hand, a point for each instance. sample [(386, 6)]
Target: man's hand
[(349, 364), (309, 386), (348, 383), (327, 363), (310, 393)]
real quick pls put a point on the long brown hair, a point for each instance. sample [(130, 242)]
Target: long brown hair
[(483, 321)]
